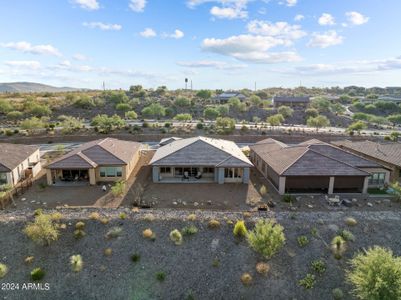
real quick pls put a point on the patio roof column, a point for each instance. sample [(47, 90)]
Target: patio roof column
[(155, 174), (331, 186), (220, 176), (245, 176), (92, 176), (365, 185), (49, 177), (281, 185)]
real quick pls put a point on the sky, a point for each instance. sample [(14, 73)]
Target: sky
[(216, 44)]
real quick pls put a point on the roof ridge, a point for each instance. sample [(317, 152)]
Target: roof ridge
[(306, 150), (169, 145), (86, 158)]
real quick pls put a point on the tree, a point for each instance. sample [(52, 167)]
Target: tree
[(255, 100), (115, 96), (123, 106), (32, 123), (5, 106), (375, 275), (357, 126), (318, 122), (275, 120), (183, 117), (71, 124), (131, 115), (321, 104), (395, 119), (285, 111), (182, 102), (204, 94), (211, 113), (226, 124), (85, 102), (105, 124), (43, 230), (154, 110), (311, 112), (223, 110), (234, 102), (267, 237)]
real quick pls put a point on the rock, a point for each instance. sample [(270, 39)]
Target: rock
[(196, 203), (386, 200), (369, 204), (33, 201), (209, 202), (354, 200), (293, 208), (175, 203), (298, 198), (320, 222), (347, 203), (310, 205), (333, 227), (184, 203), (378, 202), (214, 244), (23, 199)]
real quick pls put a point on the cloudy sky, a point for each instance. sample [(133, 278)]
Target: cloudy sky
[(216, 43)]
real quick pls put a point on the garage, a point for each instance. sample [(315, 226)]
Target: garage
[(307, 184)]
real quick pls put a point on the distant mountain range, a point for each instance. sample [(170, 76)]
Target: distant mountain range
[(32, 87)]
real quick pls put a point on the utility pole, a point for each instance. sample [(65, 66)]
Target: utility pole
[(191, 84), (104, 86), (186, 83), (255, 86)]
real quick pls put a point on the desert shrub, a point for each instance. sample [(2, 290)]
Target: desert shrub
[(94, 216), (123, 107), (85, 102), (105, 124), (122, 216), (267, 237), (104, 221), (240, 229), (191, 217), (176, 236), (71, 124), (337, 294), (347, 235), (15, 115), (189, 230), (262, 268), (29, 259), (183, 117), (287, 198), (199, 126), (213, 224), (131, 115), (246, 279), (285, 111), (160, 276), (37, 274), (314, 232), (210, 113), (79, 233), (108, 252), (319, 266), (302, 241), (43, 230), (149, 217), (135, 257), (350, 221), (118, 188), (32, 123), (338, 246), (308, 281), (114, 232), (76, 263), (263, 190), (376, 274), (182, 102), (57, 216), (215, 263), (148, 234), (154, 110), (3, 270), (80, 225)]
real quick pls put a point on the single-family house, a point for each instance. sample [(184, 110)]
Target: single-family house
[(224, 97), (315, 167), (291, 101), (104, 160), (200, 159), (387, 154), (17, 162)]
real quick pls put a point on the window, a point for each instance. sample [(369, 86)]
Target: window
[(178, 171), (377, 178), (111, 171), (3, 178), (164, 170), (208, 170), (232, 172)]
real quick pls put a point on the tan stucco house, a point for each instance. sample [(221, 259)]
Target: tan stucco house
[(17, 162), (105, 160)]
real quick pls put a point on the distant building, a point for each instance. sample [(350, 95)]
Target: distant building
[(224, 97), (291, 101)]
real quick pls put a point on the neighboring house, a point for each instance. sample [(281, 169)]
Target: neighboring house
[(387, 154), (200, 159), (291, 101), (224, 97), (18, 162), (315, 167), (102, 160)]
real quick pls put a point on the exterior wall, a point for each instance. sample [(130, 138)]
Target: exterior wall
[(245, 176), (265, 169), (351, 184), (33, 161), (111, 179)]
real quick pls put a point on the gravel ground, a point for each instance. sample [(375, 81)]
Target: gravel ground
[(189, 267)]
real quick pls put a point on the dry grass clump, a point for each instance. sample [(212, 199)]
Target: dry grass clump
[(29, 259), (176, 236), (114, 232), (246, 279), (76, 263), (262, 268), (213, 224), (108, 251), (247, 214), (3, 270), (191, 217), (80, 225), (94, 216), (351, 221), (149, 217), (104, 221), (57, 216), (148, 234)]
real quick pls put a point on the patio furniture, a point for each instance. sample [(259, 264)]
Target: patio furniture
[(186, 176), (198, 176), (336, 201)]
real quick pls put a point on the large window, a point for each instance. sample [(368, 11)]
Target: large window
[(232, 172), (377, 178), (3, 178), (208, 170), (165, 170), (111, 171)]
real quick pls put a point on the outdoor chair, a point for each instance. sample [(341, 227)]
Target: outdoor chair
[(186, 176)]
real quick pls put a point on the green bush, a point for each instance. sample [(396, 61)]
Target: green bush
[(287, 198), (319, 266), (37, 274), (337, 294), (303, 240), (114, 232), (43, 230), (123, 107), (85, 102), (76, 263), (347, 235), (285, 111), (160, 276), (240, 229), (15, 115), (3, 270), (118, 188), (131, 115), (135, 257), (308, 282), (375, 275), (176, 236), (267, 237), (189, 230)]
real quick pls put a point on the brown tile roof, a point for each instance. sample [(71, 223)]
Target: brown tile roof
[(104, 152), (386, 152), (11, 155), (311, 158)]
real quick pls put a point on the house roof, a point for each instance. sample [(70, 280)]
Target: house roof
[(104, 152), (291, 99), (230, 95), (11, 155), (200, 151), (386, 152), (310, 158)]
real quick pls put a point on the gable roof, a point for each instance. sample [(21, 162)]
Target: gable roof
[(11, 155), (310, 158), (291, 99), (200, 151), (386, 152), (104, 152)]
